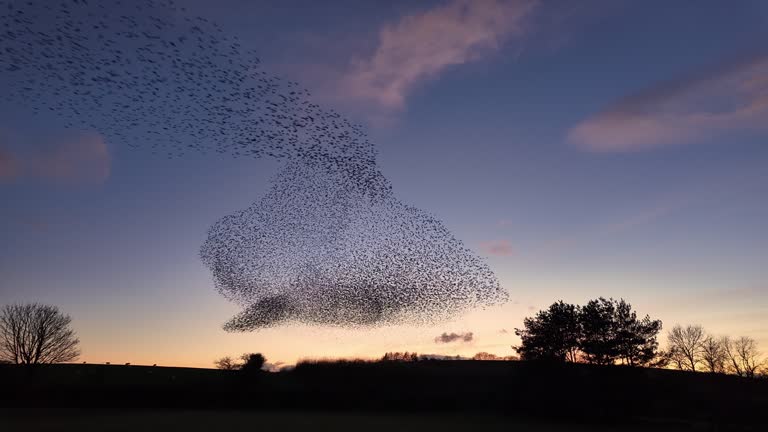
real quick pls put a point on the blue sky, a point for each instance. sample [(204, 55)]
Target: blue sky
[(612, 148)]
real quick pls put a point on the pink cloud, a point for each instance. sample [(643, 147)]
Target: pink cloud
[(497, 248), (80, 158), (35, 224), (641, 218), (455, 337), (8, 165), (420, 46), (734, 97)]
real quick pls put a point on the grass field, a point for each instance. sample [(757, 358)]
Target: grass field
[(429, 395), (221, 420)]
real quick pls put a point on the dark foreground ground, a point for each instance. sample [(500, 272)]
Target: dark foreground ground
[(220, 420), (429, 395)]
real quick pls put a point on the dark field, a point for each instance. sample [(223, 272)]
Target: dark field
[(427, 395), (171, 420)]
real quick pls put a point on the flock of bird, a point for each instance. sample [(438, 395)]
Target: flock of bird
[(316, 252), (329, 244)]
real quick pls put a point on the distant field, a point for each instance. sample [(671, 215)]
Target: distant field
[(212, 421), (393, 396)]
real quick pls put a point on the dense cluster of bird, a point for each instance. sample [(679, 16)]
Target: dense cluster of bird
[(314, 251), (329, 244)]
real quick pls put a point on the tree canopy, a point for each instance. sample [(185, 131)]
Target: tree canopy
[(604, 331), (34, 333), (553, 334), (253, 362)]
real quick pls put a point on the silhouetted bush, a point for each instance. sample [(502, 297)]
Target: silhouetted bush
[(400, 356), (306, 364), (253, 362), (227, 363), (490, 356)]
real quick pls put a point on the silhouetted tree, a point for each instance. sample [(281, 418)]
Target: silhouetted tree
[(400, 356), (604, 331), (685, 346), (553, 334), (227, 363), (743, 356), (713, 354), (599, 341), (253, 362), (485, 356), (35, 333), (635, 340)]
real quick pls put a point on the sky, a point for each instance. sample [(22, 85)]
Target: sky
[(584, 149)]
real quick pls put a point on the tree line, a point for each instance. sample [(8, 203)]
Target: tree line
[(691, 348), (249, 362), (413, 357), (603, 332), (608, 331)]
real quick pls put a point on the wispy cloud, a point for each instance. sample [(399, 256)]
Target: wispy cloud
[(455, 337), (497, 247), (711, 191), (731, 97), (71, 159), (598, 231), (420, 46)]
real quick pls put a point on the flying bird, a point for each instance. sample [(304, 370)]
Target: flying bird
[(329, 244)]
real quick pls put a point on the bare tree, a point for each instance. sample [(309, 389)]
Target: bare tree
[(743, 356), (713, 354), (34, 333), (400, 356), (685, 346), (486, 356), (227, 363)]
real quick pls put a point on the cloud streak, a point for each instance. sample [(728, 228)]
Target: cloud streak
[(629, 222), (729, 98), (455, 337), (420, 46)]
